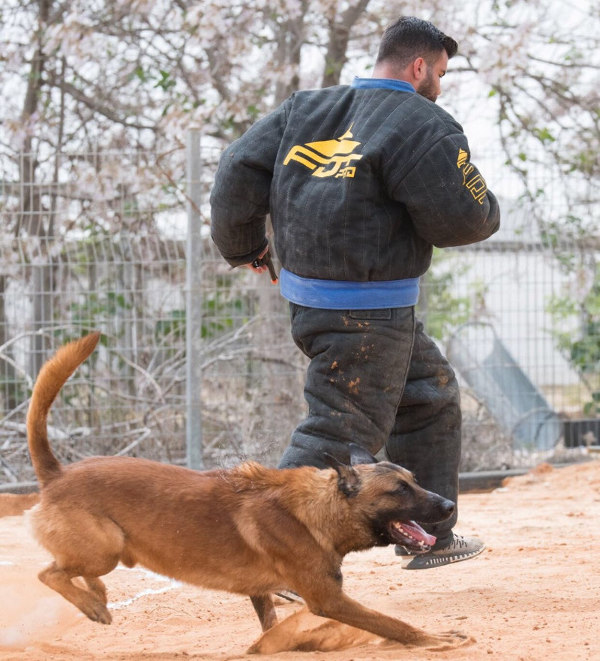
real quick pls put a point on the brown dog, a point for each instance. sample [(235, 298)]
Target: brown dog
[(249, 530)]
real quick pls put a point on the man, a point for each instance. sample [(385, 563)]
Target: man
[(361, 182)]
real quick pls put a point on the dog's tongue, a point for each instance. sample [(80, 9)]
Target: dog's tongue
[(415, 531)]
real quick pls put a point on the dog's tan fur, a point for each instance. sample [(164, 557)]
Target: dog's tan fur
[(249, 530)]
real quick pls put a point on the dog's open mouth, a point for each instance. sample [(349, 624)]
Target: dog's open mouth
[(410, 535)]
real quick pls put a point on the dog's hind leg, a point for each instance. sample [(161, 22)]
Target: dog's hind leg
[(96, 586), (88, 602), (83, 546), (263, 605)]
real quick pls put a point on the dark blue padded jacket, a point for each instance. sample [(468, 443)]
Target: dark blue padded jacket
[(361, 182)]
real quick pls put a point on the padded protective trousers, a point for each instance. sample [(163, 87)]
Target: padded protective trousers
[(375, 378)]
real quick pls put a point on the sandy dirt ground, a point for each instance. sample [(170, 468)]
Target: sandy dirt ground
[(533, 594)]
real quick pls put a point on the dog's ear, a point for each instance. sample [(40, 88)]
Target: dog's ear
[(348, 478), (360, 455)]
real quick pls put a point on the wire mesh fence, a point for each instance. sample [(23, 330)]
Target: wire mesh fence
[(102, 241)]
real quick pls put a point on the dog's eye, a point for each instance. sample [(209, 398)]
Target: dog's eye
[(401, 489)]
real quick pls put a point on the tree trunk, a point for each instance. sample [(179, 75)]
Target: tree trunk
[(32, 212), (289, 45), (337, 45)]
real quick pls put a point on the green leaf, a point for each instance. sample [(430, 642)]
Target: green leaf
[(140, 73), (544, 135), (165, 82)]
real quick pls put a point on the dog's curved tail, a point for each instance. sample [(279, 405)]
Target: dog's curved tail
[(50, 380)]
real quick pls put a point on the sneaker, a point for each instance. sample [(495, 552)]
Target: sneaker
[(454, 550)]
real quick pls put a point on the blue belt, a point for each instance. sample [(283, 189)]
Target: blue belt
[(343, 295)]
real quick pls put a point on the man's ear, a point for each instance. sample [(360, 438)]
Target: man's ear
[(419, 67), (348, 478)]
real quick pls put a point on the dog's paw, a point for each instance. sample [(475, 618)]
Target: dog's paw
[(97, 612), (445, 641)]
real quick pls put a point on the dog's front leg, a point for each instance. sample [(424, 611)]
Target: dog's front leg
[(263, 605), (335, 604)]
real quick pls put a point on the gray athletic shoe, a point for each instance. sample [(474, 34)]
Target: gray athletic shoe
[(444, 552)]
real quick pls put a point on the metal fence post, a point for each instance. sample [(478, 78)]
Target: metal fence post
[(193, 302)]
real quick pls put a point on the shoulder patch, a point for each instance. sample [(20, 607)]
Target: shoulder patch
[(472, 180)]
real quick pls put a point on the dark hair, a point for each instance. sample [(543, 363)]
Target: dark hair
[(409, 38)]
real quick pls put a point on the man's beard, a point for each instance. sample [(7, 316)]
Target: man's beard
[(427, 87)]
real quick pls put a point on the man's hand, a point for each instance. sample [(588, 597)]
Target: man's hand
[(257, 266), (264, 263)]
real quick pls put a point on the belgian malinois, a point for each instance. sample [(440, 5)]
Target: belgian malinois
[(249, 530)]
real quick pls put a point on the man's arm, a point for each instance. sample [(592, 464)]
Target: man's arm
[(240, 196), (446, 196)]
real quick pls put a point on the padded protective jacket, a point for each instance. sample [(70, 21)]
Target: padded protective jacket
[(360, 181)]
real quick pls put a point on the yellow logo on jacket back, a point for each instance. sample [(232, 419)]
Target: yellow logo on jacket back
[(327, 158)]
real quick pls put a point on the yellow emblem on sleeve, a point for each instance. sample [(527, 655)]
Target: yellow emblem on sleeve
[(475, 183)]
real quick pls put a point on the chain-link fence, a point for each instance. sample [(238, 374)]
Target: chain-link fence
[(102, 241)]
